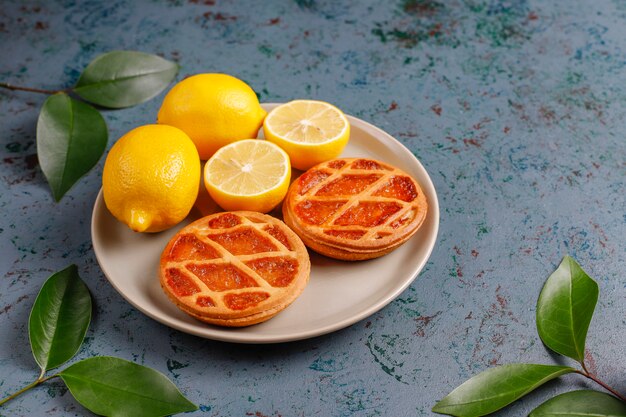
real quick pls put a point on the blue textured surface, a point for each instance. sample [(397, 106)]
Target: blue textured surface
[(516, 108)]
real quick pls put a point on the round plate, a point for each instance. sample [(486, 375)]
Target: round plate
[(338, 294)]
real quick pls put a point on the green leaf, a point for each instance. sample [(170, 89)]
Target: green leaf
[(583, 403), (496, 388), (71, 137), (114, 387), (59, 318), (565, 308), (125, 78)]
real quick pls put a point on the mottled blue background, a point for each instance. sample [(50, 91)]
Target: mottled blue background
[(516, 108)]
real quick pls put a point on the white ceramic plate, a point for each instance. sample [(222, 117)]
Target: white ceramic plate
[(338, 294)]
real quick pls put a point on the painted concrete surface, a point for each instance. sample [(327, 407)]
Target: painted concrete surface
[(516, 108)]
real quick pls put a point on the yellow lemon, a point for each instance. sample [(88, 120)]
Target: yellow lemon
[(214, 110), (309, 131), (248, 175), (151, 178)]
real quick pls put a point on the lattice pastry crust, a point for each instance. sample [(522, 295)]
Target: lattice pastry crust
[(354, 208), (234, 268)]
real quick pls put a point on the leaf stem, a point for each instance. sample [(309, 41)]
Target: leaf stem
[(595, 379), (33, 384), (29, 89)]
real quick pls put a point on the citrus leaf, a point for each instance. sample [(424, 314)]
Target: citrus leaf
[(59, 318), (71, 137), (583, 403), (565, 308), (115, 387), (124, 78), (496, 388)]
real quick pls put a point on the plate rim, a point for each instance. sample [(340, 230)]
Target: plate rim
[(227, 335)]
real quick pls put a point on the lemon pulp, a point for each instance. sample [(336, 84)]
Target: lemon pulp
[(250, 175), (309, 131)]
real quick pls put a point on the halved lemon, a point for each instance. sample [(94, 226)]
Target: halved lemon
[(309, 131), (250, 174)]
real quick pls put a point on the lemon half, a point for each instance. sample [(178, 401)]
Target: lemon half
[(309, 131), (249, 175)]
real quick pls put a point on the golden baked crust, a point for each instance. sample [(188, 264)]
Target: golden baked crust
[(354, 208), (234, 268)]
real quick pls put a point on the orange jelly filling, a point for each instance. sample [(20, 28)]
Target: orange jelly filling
[(225, 221), (316, 212), (398, 187), (243, 242), (336, 164), (181, 285), (189, 247), (278, 235), (278, 272), (222, 277), (244, 300), (368, 214), (205, 301), (310, 179), (348, 185), (366, 164)]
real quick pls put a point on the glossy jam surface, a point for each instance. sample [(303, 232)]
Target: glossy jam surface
[(205, 301), (348, 185), (399, 187), (316, 212), (278, 235), (278, 272), (181, 285), (336, 164), (244, 300), (310, 179), (225, 221), (368, 214), (367, 164), (244, 241), (189, 247), (222, 277)]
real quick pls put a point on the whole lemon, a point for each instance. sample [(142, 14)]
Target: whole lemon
[(214, 110), (151, 178)]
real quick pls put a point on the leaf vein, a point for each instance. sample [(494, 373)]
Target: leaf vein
[(124, 78), (69, 142), (115, 389)]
